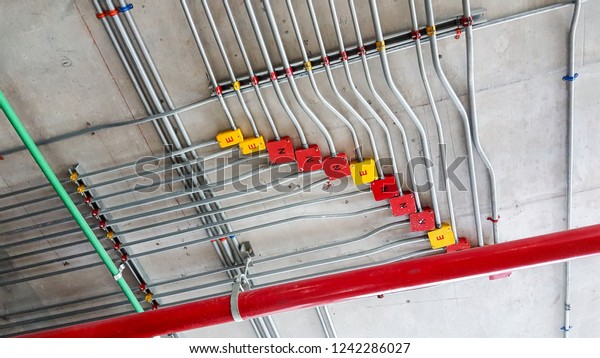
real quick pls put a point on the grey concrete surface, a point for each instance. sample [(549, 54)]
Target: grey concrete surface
[(61, 73)]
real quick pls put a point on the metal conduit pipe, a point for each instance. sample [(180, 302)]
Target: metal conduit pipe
[(130, 73), (60, 191), (230, 274), (228, 282), (463, 114), (329, 321), (322, 320), (211, 73), (333, 86), (313, 83), (189, 243), (160, 211), (569, 79), (31, 189), (259, 261), (265, 54), (264, 260), (113, 181), (136, 204), (389, 112), (482, 261), (289, 74), (197, 228), (357, 94), (233, 207), (411, 114), (474, 122), (207, 65), (270, 259), (436, 115), (221, 47), (288, 269), (165, 93), (174, 140), (202, 102), (261, 100)]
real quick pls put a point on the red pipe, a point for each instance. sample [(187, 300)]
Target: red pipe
[(544, 249)]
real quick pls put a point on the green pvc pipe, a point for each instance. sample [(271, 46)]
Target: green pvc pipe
[(62, 193)]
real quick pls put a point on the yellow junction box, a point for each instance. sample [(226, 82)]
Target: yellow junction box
[(253, 145), (441, 237), (230, 138), (363, 172)]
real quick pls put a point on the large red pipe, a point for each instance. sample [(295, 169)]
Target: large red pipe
[(414, 273)]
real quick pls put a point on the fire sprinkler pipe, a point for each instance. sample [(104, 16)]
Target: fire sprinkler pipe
[(474, 122), (411, 114), (388, 110), (436, 115), (463, 114), (256, 87), (569, 79), (313, 82), (290, 76), (403, 275), (62, 193), (265, 54)]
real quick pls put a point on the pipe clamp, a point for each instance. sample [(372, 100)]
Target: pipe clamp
[(119, 275)]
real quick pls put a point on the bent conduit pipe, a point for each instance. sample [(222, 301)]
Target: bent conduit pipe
[(474, 122), (261, 100), (265, 54), (205, 101), (221, 47), (509, 256), (189, 243), (221, 283), (411, 114), (357, 94), (569, 78), (333, 86), (436, 116), (463, 115), (211, 74), (313, 82), (290, 76), (388, 110), (207, 65), (61, 192)]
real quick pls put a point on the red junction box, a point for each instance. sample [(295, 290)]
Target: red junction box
[(336, 167), (309, 159), (281, 151), (403, 205), (423, 221), (462, 244), (385, 188)]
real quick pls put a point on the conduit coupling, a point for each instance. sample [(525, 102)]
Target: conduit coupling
[(240, 284)]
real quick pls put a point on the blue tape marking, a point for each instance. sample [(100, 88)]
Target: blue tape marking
[(570, 78), (126, 8)]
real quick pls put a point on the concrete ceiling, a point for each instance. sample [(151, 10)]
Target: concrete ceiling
[(61, 74)]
